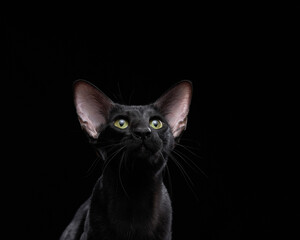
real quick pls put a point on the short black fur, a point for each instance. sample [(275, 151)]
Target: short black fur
[(129, 200)]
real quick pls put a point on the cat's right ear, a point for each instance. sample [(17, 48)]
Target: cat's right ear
[(92, 107)]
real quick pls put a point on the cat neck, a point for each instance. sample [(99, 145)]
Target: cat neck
[(131, 185), (133, 199), (135, 203)]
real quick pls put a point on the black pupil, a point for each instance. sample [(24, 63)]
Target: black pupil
[(122, 122), (155, 123)]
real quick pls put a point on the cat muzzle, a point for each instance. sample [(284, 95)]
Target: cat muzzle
[(142, 133)]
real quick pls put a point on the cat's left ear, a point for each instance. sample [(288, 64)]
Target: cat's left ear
[(175, 104), (92, 107)]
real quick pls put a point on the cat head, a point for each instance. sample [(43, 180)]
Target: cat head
[(142, 132)]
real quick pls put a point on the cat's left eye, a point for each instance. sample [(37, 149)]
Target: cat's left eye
[(121, 123), (156, 124)]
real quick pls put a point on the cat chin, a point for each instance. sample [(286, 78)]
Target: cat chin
[(144, 150), (139, 151)]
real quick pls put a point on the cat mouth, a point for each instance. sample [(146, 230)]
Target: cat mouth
[(143, 149)]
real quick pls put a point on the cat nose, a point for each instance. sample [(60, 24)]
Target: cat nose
[(142, 132)]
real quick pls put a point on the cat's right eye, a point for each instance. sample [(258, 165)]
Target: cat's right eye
[(156, 124), (121, 123)]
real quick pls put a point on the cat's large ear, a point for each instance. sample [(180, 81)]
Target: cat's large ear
[(92, 107), (175, 104)]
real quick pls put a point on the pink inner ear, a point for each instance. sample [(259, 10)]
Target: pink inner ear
[(177, 117), (92, 107), (175, 106), (90, 121)]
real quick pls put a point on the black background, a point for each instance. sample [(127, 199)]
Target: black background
[(230, 61)]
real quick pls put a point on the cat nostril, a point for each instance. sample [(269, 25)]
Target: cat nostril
[(142, 132)]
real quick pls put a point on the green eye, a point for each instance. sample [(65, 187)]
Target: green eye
[(121, 123), (156, 124)]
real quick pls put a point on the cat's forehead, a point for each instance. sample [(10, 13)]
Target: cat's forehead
[(134, 110)]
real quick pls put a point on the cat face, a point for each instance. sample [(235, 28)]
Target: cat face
[(145, 134), (141, 130)]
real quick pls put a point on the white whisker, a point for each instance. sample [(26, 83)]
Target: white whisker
[(186, 177), (107, 162), (120, 178), (190, 161)]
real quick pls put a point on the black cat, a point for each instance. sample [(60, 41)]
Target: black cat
[(129, 201)]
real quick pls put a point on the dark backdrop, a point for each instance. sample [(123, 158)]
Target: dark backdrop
[(228, 130)]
